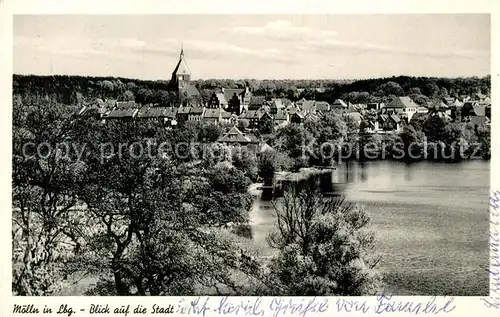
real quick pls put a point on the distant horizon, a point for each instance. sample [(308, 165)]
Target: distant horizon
[(258, 79), (317, 46)]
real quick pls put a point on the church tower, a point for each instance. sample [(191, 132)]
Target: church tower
[(181, 76)]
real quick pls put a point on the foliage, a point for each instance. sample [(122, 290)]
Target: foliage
[(434, 129), (266, 126), (246, 161), (354, 91), (267, 165), (143, 224), (44, 192), (210, 132), (484, 139), (324, 246), (152, 224), (413, 142), (243, 124)]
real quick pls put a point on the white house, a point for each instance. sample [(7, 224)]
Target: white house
[(404, 104)]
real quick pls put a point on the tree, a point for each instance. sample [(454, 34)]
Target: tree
[(431, 89), (119, 86), (412, 141), (213, 154), (434, 128), (128, 96), (414, 91), (443, 92), (77, 98), (173, 98), (131, 86), (267, 166), (246, 161), (243, 124), (484, 139), (364, 97), (419, 99), (158, 219), (107, 88), (331, 132), (45, 182), (325, 247), (160, 97), (143, 96), (266, 125), (291, 141), (210, 132), (390, 88)]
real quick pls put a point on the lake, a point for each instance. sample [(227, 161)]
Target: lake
[(431, 221)]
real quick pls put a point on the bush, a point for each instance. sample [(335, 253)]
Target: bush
[(325, 247)]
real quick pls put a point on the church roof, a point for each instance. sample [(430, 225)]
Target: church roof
[(181, 68), (192, 91)]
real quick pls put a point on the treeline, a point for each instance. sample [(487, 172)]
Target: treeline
[(421, 89), (74, 89)]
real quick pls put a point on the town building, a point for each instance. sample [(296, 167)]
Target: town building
[(218, 115), (374, 106), (236, 137), (389, 122), (339, 104), (217, 100), (402, 104), (237, 99), (127, 114), (181, 80), (306, 105), (196, 113), (185, 113), (256, 102), (276, 105), (298, 116), (322, 106), (356, 116), (165, 115), (281, 118)]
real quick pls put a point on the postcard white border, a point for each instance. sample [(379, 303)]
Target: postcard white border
[(466, 306)]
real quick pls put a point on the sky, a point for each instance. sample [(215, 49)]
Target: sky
[(254, 46)]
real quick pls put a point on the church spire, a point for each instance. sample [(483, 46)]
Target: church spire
[(182, 51)]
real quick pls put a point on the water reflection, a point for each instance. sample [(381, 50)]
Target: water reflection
[(431, 220), (402, 182)]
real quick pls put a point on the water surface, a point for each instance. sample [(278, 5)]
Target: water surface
[(431, 221)]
